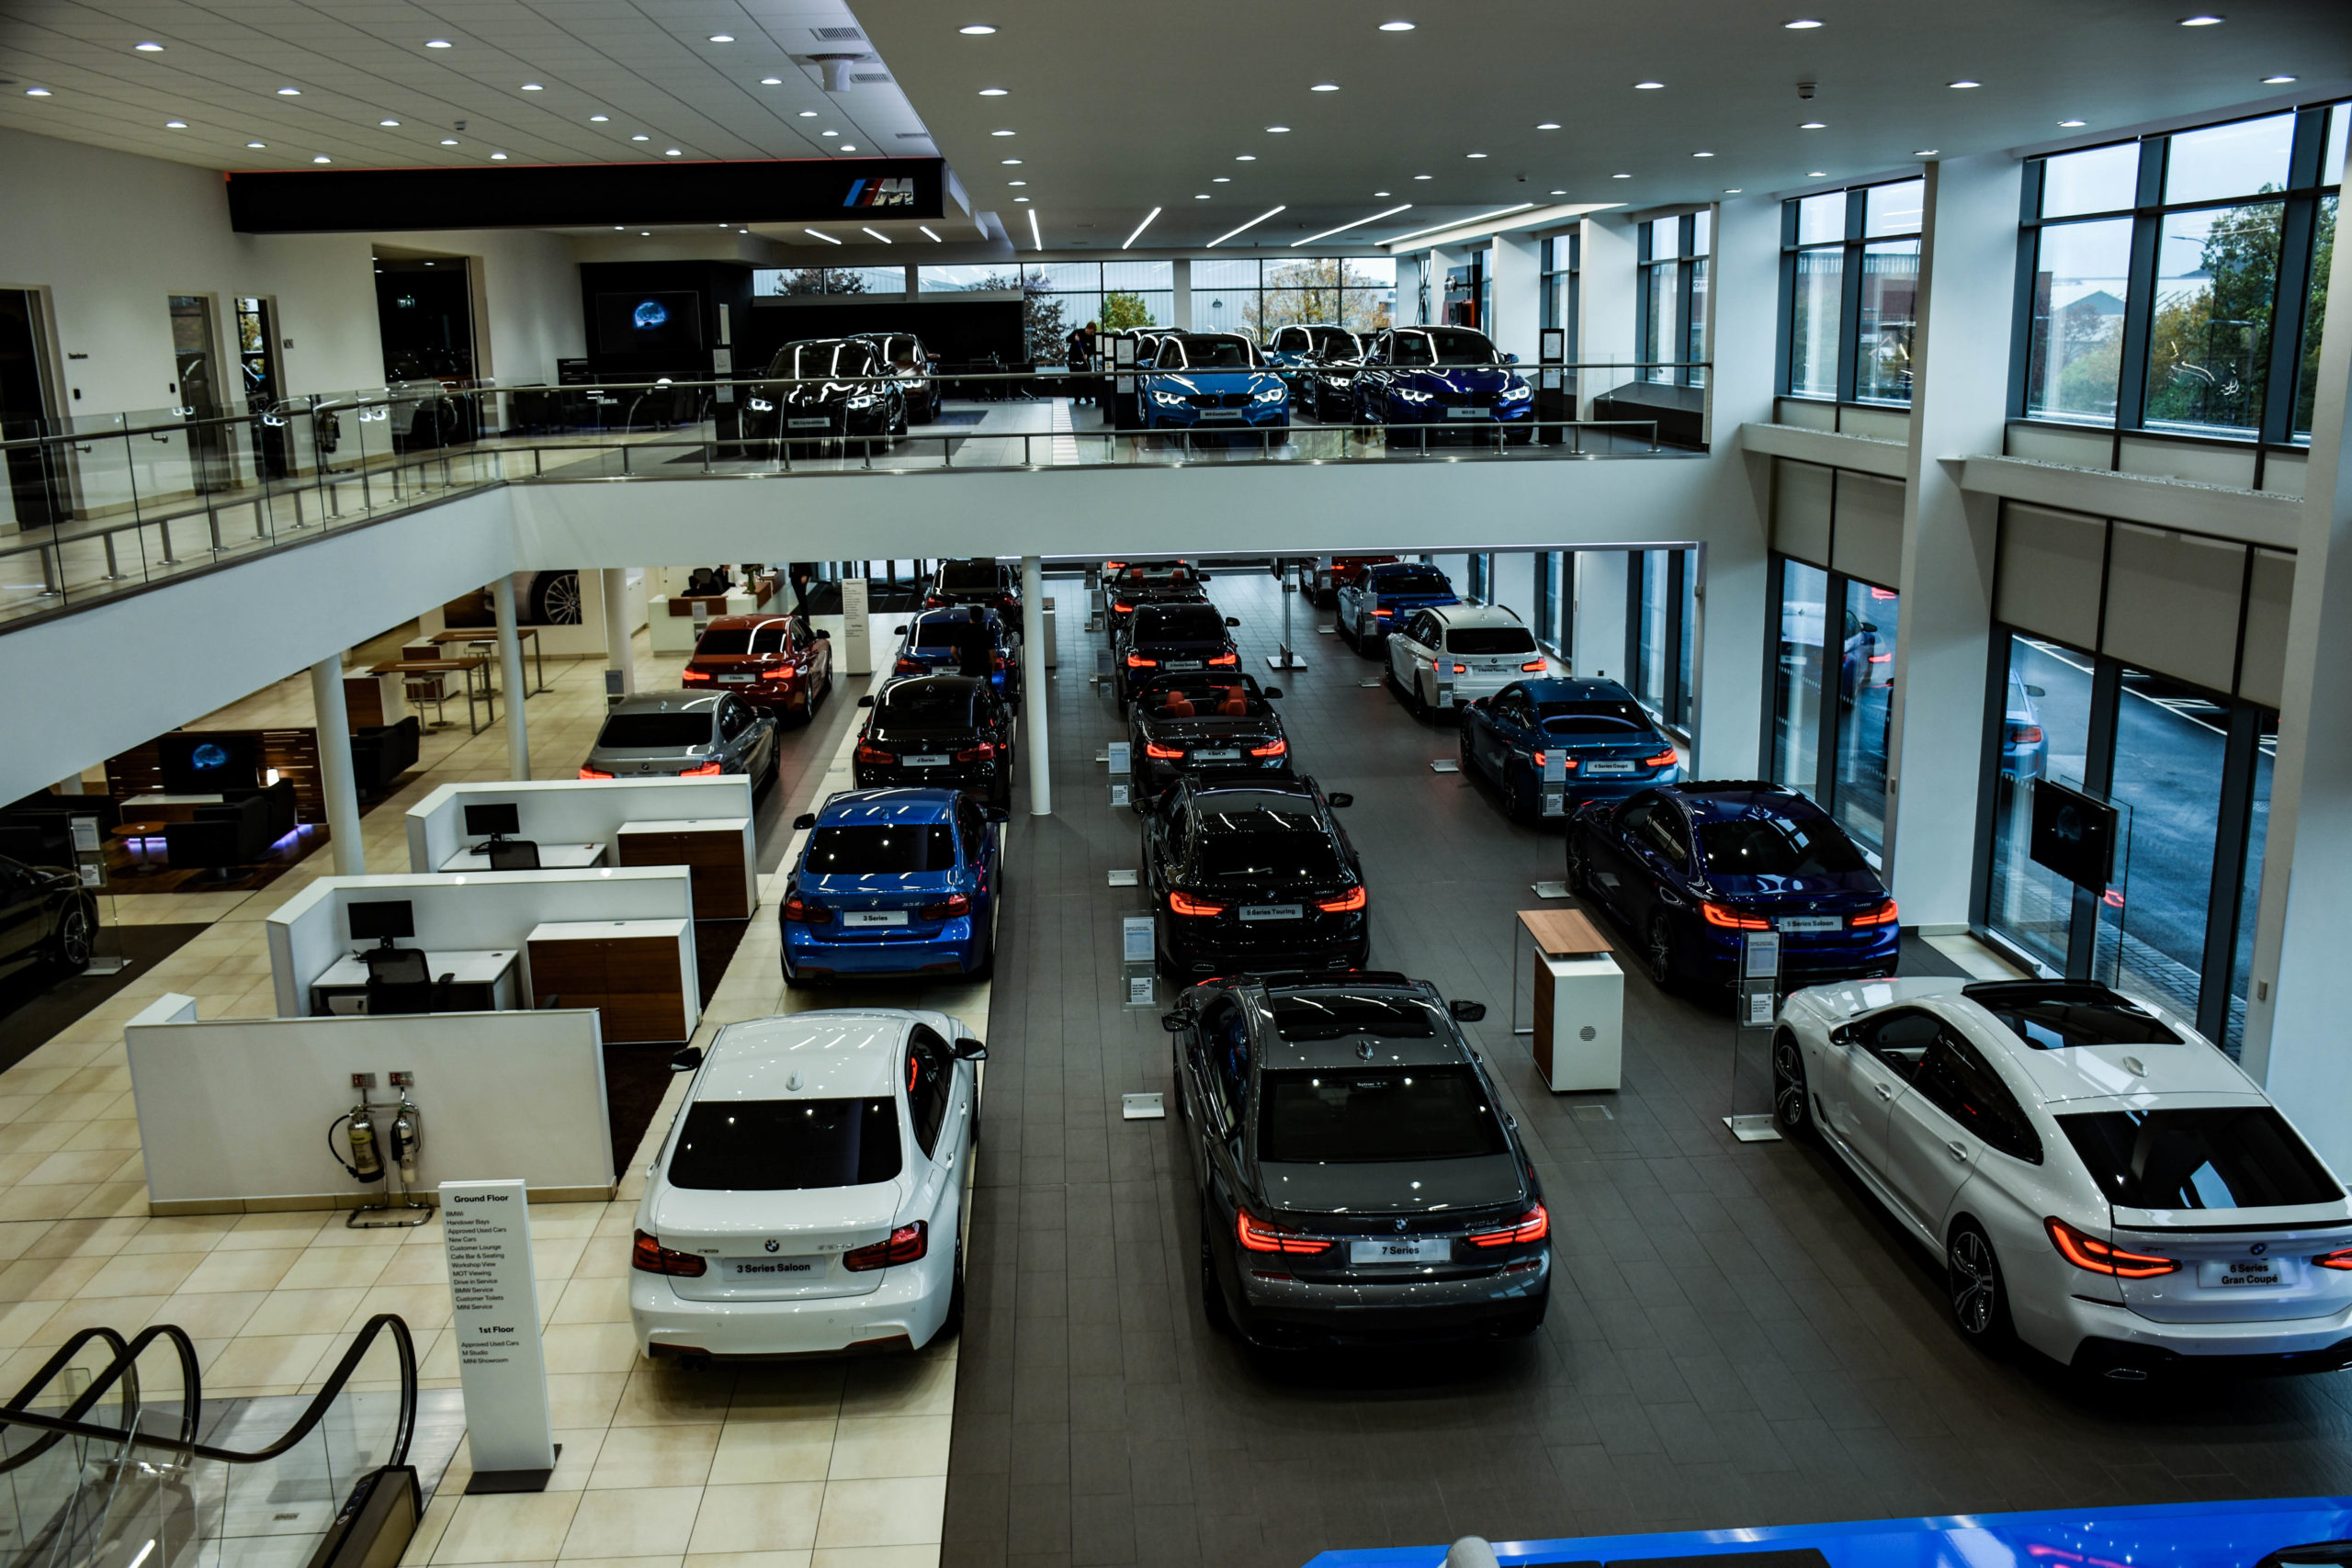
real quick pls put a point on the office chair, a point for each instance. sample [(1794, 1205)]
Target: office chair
[(514, 854), (400, 981)]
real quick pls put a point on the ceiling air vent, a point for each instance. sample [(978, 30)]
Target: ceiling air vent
[(870, 78), (914, 136), (838, 35)]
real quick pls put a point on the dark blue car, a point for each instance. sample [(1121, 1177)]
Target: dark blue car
[(1690, 869), (963, 640), (894, 881), (1437, 381), (1609, 747), (1381, 597)]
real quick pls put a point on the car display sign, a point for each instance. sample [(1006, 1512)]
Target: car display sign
[(2238, 1274), (1181, 664), (1465, 413), (1808, 923), (1272, 911), (1402, 1249), (873, 916), (1226, 754), (925, 759), (1609, 768)]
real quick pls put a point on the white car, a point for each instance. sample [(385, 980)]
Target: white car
[(811, 1193), (1454, 654), (2100, 1180)]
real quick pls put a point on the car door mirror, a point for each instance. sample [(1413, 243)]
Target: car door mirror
[(1338, 800), (688, 1060), (1174, 1023), (2036, 692), (997, 813), (806, 820), (1844, 1034), (1466, 1012), (822, 635), (970, 1050), (866, 702), (1270, 692), (899, 631), (1232, 621)]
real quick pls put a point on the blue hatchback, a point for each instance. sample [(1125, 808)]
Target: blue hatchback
[(1692, 868), (894, 881), (1608, 745), (1205, 381), (963, 640)]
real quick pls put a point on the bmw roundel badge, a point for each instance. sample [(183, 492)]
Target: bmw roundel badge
[(772, 1244), (2259, 1247)]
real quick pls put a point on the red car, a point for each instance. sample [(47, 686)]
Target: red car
[(776, 663), (1329, 574)]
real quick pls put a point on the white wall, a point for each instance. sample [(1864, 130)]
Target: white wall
[(1605, 297), (1516, 264), (1515, 584), (1601, 614)]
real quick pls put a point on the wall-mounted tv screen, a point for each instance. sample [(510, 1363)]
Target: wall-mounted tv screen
[(199, 763), (652, 323), (2074, 834)]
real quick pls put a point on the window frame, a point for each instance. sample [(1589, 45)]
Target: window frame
[(1853, 245), (1677, 277)]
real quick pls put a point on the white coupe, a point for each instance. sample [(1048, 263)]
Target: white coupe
[(2100, 1180), (809, 1195)]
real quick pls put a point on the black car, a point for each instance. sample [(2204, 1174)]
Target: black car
[(825, 389), (937, 732), (992, 584), (1359, 1178), (1170, 639), (46, 918), (1201, 724), (1132, 584), (1253, 878), (1319, 363), (912, 364)]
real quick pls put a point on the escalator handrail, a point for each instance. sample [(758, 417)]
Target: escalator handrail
[(123, 1368), (401, 1340)]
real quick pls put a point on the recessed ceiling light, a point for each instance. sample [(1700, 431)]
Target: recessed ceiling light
[(1548, 125), (1621, 177), (37, 92), (1647, 87), (1009, 163), (991, 92), (1020, 198), (828, 133), (1245, 157), (1801, 24), (978, 29), (1816, 174), (847, 148), (448, 141), (1702, 154), (766, 82), (1814, 125), (1731, 190), (323, 158), (289, 92), (671, 152), (1221, 180), (436, 43), (1474, 155), (1016, 182), (1202, 196), (1559, 193), (598, 118), (2201, 21), (808, 114), (1964, 82), (645, 234), (148, 48), (1324, 87), (175, 125), (1277, 130), (256, 144), (387, 124), (1396, 26), (1378, 193), (1923, 153), (2071, 124), (2276, 81), (747, 231), (533, 87), (616, 227), (640, 136), (498, 157), (723, 38), (1000, 133)]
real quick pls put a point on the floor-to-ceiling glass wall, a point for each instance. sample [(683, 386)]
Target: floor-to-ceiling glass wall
[(1796, 690), (2045, 734), (2169, 740), (1865, 712), (2249, 895)]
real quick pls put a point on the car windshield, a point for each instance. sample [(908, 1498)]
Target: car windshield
[(728, 642), (2227, 1157), (1443, 346), (1338, 1015), (1343, 1117), (785, 1145), (1593, 718), (1205, 354), (1335, 343), (1418, 579), (880, 849), (2050, 1017), (1777, 846), (970, 574), (1490, 639), (1265, 846), (655, 732), (824, 359), (916, 705), (1181, 623), (1156, 572), (1197, 696)]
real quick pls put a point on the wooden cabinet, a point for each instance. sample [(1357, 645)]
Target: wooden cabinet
[(638, 973), (714, 850)]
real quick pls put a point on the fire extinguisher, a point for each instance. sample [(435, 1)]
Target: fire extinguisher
[(365, 1164), (407, 1135)]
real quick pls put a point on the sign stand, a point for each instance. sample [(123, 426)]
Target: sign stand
[(90, 864), (1136, 960), (501, 1361), (1758, 1003), (1286, 660), (1117, 754)]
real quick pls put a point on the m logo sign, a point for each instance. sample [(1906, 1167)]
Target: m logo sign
[(897, 191)]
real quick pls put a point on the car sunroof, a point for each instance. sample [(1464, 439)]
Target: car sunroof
[(2054, 1015)]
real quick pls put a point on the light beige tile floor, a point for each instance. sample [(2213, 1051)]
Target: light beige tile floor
[(825, 1465)]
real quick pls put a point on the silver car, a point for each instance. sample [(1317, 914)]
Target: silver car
[(684, 735)]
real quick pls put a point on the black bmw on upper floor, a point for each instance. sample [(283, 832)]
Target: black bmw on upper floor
[(1359, 1180), (1255, 877)]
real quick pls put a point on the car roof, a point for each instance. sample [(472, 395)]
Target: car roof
[(1558, 689), (1285, 797), (742, 623), (884, 807), (1377, 568), (1476, 615), (668, 701), (936, 683), (837, 1053), (1727, 801), (958, 612)]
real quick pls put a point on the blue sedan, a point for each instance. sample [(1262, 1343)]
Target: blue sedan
[(1443, 379), (1608, 745), (963, 640), (1692, 868), (894, 881), (1205, 381)]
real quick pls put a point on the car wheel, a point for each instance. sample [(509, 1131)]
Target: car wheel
[(792, 982), (1176, 1078), (1792, 1109), (1657, 949), (69, 946), (554, 599), (954, 1322), (1212, 1294), (1980, 1297), (1579, 869), (1515, 799), (1419, 704), (986, 968), (1469, 759)]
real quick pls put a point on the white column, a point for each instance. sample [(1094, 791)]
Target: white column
[(1033, 694), (1605, 286), (1959, 362), (1599, 651), (335, 774), (2294, 1035), (510, 670), (619, 654), (1406, 310), (1517, 293), (1180, 304)]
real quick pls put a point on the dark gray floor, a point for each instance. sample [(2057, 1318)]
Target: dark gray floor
[(1738, 1334)]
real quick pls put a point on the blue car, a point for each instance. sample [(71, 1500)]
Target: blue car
[(963, 640), (1690, 869), (1439, 381), (1211, 381), (1379, 597), (2025, 749), (1608, 745), (894, 881)]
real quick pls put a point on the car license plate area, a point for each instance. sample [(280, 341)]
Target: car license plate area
[(2244, 1273), (1220, 413), (1608, 767), (925, 759), (1465, 413), (1272, 912), (870, 917), (736, 680), (1181, 664), (1808, 923), (1402, 1250), (778, 1270), (1225, 755), (810, 424)]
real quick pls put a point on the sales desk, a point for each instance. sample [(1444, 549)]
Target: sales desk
[(166, 808), (552, 857), (714, 850), (634, 972), (479, 982)]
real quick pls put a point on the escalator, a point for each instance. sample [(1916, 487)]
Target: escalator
[(110, 1459)]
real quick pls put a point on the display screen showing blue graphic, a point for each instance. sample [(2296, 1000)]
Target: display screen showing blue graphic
[(208, 764), (649, 324)]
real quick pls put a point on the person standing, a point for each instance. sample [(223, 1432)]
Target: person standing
[(1082, 362)]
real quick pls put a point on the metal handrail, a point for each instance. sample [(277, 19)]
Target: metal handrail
[(123, 1368)]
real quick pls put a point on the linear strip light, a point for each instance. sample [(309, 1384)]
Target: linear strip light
[(1359, 223), (929, 236), (1035, 242), (1459, 222), (1251, 224), (877, 234), (827, 238), (1141, 227)]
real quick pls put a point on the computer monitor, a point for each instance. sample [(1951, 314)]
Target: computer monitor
[(381, 919), (493, 820)]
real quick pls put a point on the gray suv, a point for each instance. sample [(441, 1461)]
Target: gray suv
[(683, 735)]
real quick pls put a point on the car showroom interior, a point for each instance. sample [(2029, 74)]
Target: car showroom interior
[(983, 784)]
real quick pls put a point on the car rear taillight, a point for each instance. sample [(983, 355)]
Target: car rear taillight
[(998, 660), (1122, 606), (908, 667), (906, 1245), (587, 772), (934, 602), (1137, 661), (2341, 1258), (1382, 614), (957, 905), (2025, 735), (1277, 747), (1353, 898), (1533, 1226), (981, 753), (2086, 1252), (1185, 903), (779, 672), (708, 770), (869, 753), (1227, 659), (1256, 1235), (1883, 915), (1533, 666), (1723, 915), (1568, 764), (1165, 754), (651, 1257), (801, 913), (1458, 669), (1665, 758), (694, 678)]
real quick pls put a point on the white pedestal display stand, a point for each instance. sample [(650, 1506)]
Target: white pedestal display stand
[(502, 1362), (1577, 1017)]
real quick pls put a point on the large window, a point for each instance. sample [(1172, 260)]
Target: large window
[(1671, 298), (1833, 695), (1233, 294), (1796, 694), (1849, 296), (1561, 304), (2177, 284), (829, 280), (1662, 631)]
